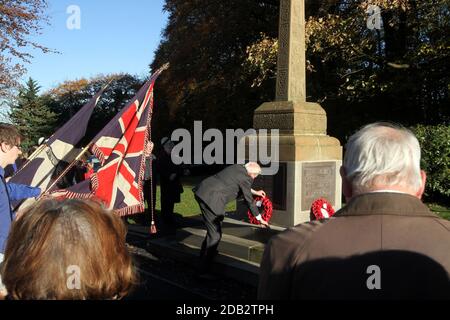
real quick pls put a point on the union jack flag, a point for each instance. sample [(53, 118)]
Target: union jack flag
[(119, 147)]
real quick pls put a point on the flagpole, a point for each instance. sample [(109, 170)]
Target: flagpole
[(37, 151), (70, 166)]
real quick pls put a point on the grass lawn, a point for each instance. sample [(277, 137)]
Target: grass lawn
[(189, 207), (442, 211)]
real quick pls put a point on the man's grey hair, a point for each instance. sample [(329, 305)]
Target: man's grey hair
[(253, 167), (384, 154)]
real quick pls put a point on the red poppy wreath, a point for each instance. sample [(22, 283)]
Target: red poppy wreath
[(265, 208), (321, 209)]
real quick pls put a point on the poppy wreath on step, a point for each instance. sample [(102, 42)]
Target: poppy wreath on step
[(322, 209), (265, 209)]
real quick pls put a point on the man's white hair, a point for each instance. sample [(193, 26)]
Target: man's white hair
[(383, 154), (253, 167)]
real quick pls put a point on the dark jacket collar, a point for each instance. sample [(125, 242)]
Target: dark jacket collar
[(385, 203)]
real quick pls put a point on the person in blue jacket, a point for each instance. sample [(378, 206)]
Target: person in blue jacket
[(10, 139)]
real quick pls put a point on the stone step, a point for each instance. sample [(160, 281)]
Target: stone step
[(240, 250), (241, 270), (249, 231), (239, 238), (229, 245)]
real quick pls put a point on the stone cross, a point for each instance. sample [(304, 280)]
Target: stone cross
[(309, 159), (291, 68)]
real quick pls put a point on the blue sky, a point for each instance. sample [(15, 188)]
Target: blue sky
[(115, 36)]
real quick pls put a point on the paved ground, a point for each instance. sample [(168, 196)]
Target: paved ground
[(163, 278)]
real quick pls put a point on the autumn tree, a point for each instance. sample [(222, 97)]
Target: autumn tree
[(400, 72), (205, 43), (30, 114), (19, 19)]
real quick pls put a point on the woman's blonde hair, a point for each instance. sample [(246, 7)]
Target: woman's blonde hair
[(53, 238)]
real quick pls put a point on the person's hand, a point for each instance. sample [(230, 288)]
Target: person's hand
[(260, 193), (58, 194), (264, 224), (54, 195)]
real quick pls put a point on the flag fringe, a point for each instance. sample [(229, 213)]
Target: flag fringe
[(94, 183), (76, 195), (98, 153), (128, 211)]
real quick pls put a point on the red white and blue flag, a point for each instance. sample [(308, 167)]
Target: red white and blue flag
[(120, 147)]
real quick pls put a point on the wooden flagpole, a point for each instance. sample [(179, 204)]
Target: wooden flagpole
[(70, 166)]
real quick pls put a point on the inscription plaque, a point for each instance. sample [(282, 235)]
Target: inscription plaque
[(318, 181)]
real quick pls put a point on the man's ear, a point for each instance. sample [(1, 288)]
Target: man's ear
[(347, 189), (4, 147), (420, 192)]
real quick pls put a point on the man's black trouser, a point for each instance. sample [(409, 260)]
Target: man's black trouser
[(213, 225), (167, 206)]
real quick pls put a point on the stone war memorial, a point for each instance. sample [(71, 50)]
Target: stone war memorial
[(309, 159)]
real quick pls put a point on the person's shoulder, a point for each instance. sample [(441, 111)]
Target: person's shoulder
[(239, 172), (229, 171), (299, 234), (444, 223), (236, 167), (232, 168), (292, 245)]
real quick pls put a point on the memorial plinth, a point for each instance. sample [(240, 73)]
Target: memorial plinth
[(309, 159)]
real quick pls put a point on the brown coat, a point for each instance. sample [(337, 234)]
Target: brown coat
[(329, 259)]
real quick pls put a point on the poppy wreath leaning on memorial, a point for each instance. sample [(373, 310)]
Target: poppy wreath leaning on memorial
[(265, 208), (321, 209)]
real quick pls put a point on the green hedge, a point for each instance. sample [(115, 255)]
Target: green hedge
[(435, 144)]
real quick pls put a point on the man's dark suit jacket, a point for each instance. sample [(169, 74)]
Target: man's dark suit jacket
[(332, 259), (225, 186)]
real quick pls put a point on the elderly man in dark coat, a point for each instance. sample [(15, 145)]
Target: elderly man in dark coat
[(384, 244), (212, 196)]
